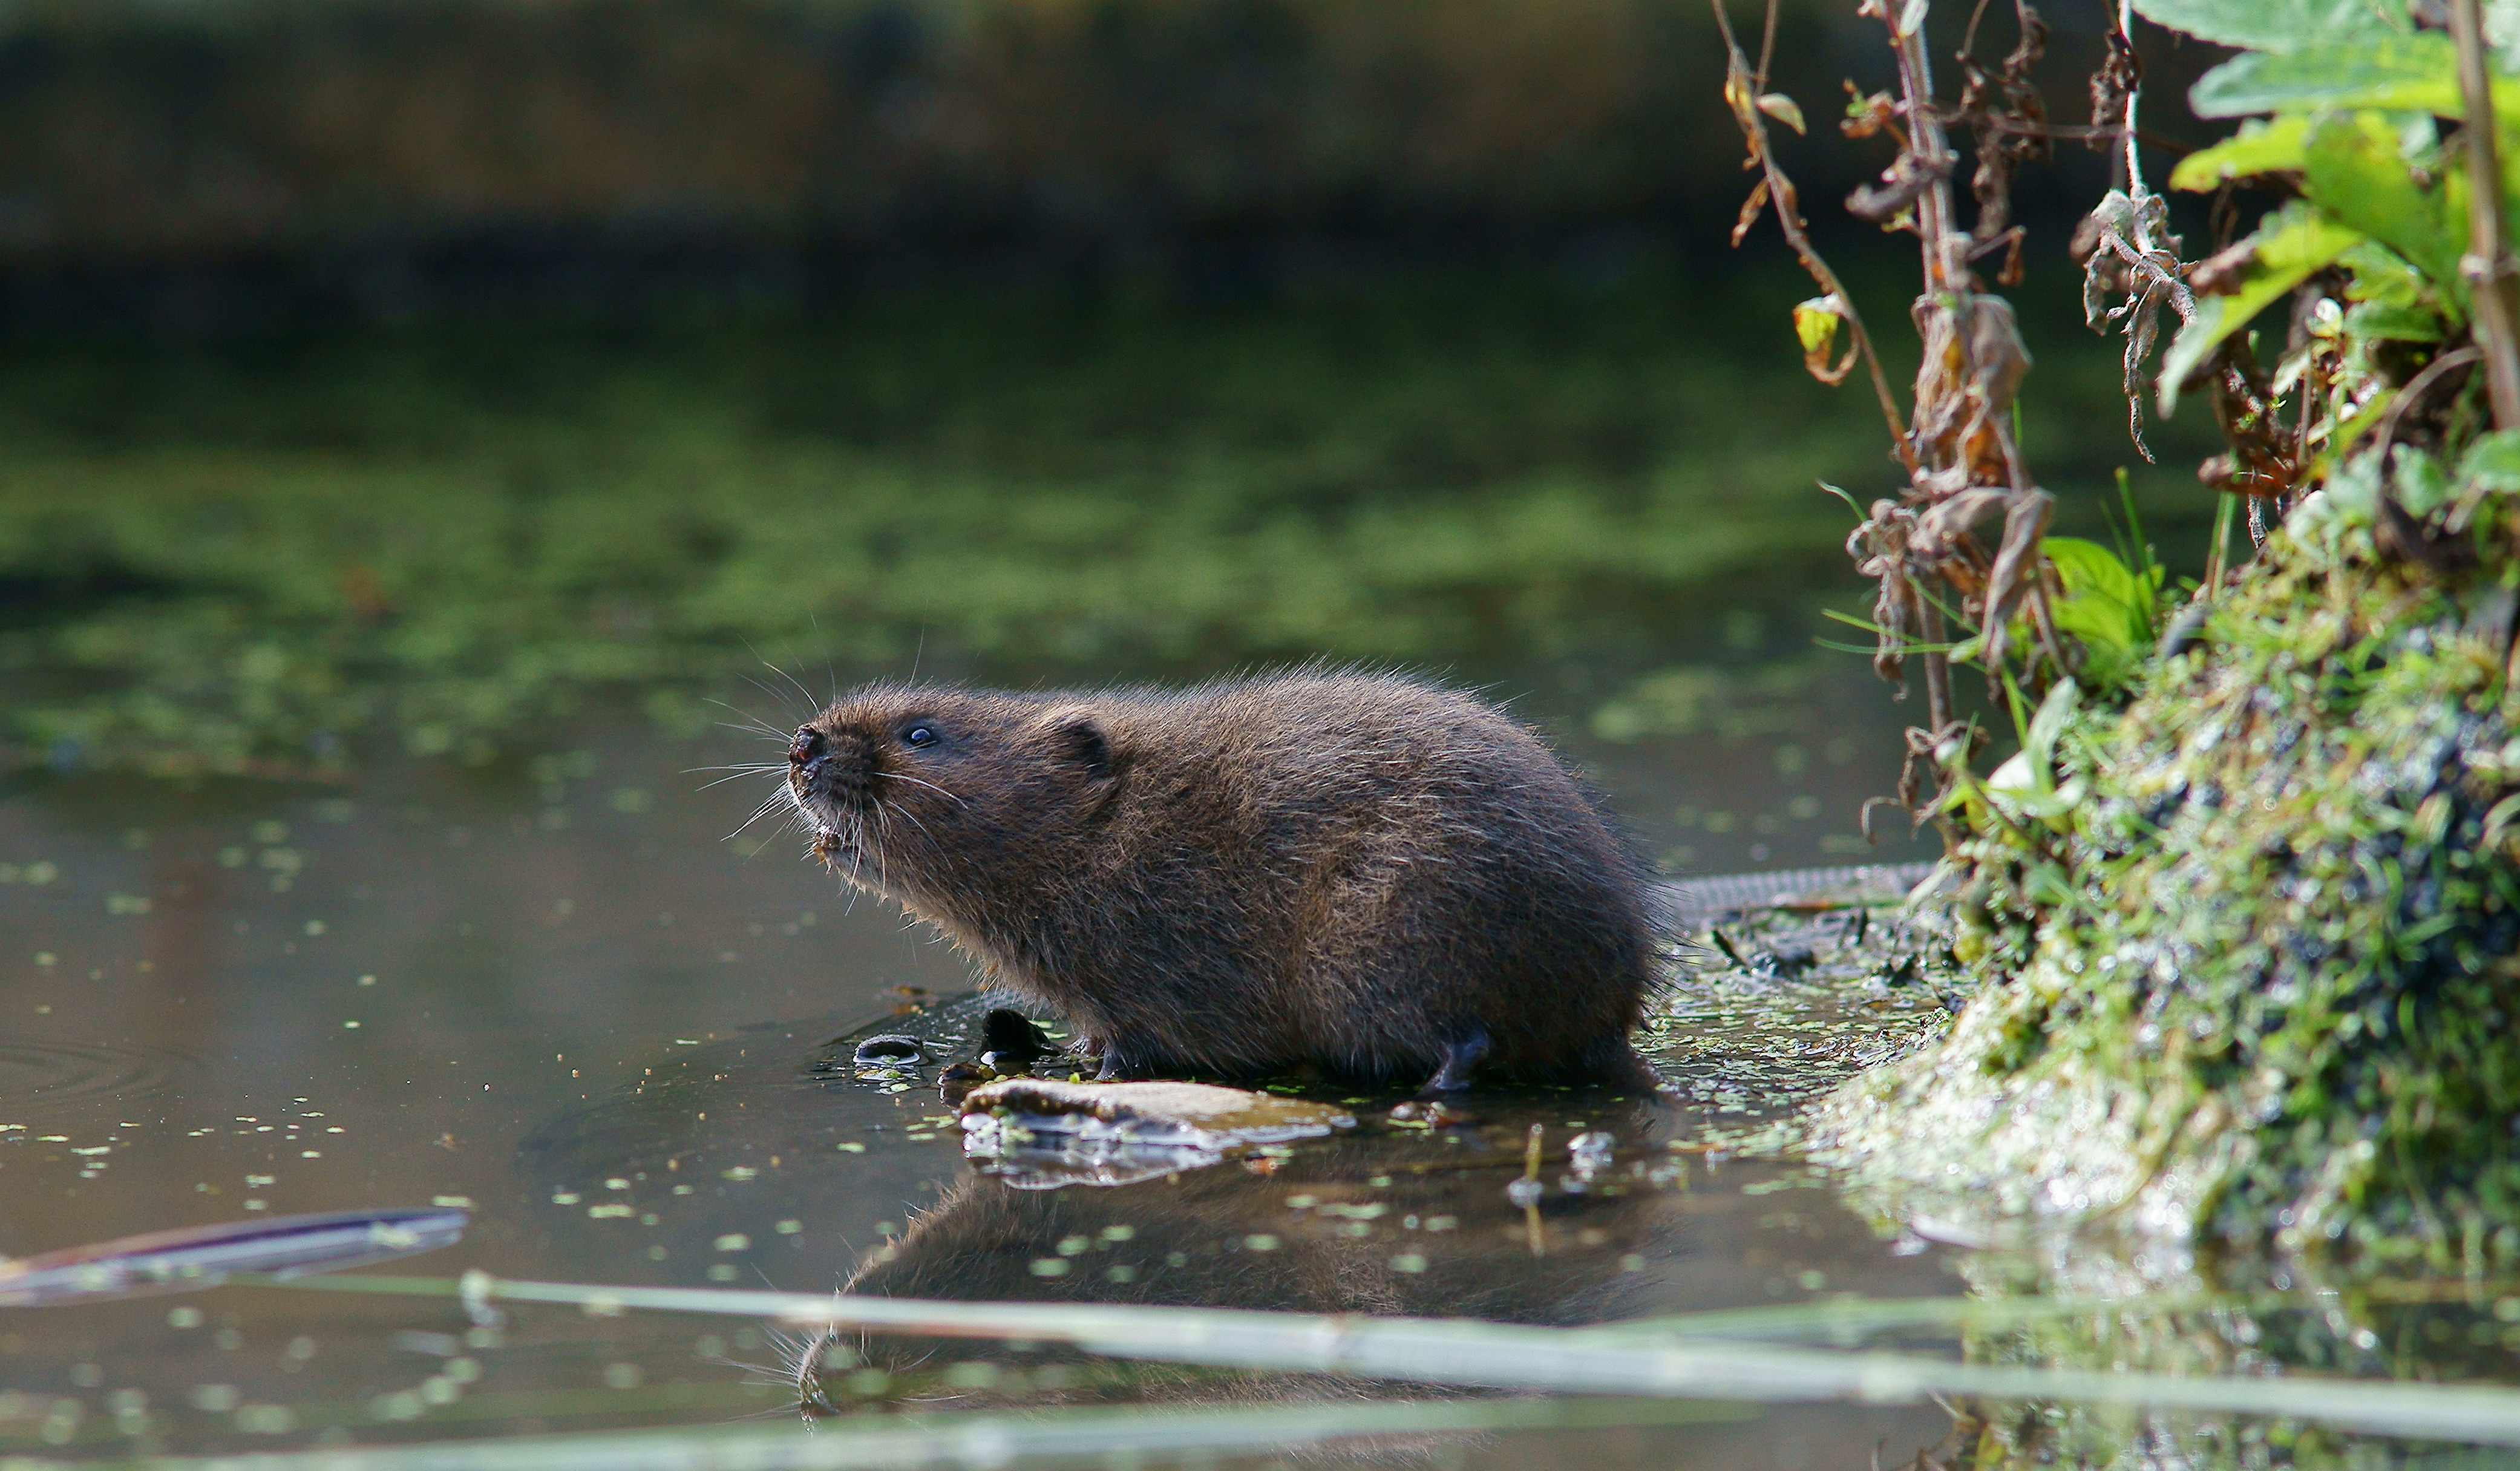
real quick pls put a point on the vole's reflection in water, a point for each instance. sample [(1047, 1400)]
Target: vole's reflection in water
[(1384, 1220), (1410, 1227)]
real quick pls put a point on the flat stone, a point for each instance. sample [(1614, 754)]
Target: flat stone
[(1041, 1134), (1222, 1115)]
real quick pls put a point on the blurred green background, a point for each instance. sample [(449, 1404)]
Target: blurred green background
[(407, 374)]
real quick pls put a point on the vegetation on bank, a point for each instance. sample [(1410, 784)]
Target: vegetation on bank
[(2246, 900), (2257, 959)]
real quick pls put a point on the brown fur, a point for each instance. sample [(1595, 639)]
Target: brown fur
[(1361, 872)]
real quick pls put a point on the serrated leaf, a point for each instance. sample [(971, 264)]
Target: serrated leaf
[(2278, 25), (2290, 245), (2261, 146), (1783, 109), (2398, 73), (2352, 170)]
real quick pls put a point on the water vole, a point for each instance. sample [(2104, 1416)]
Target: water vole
[(1368, 873)]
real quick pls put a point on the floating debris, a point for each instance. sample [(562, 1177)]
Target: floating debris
[(204, 1256)]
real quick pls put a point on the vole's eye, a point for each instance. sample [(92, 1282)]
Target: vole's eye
[(920, 735)]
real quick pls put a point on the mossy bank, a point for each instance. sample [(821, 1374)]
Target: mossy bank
[(2251, 977)]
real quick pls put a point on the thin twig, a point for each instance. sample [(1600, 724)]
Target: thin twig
[(2134, 161), (1944, 246), (1767, 44), (1742, 83), (1938, 668)]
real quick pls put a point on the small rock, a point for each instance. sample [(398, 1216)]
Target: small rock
[(889, 1051)]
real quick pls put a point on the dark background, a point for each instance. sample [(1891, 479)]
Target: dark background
[(225, 167)]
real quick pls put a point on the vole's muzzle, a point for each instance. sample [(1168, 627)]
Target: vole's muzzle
[(831, 775)]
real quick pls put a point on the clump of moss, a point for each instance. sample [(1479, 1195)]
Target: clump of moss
[(2255, 984)]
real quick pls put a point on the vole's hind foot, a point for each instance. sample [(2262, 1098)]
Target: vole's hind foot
[(1614, 1062), (1460, 1060), (1118, 1066)]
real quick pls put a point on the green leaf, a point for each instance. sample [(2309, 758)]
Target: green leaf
[(2280, 26), (1816, 325), (2352, 491), (2354, 173), (2106, 605), (2290, 245), (2261, 146), (2493, 462), (2408, 74), (2387, 321), (2422, 488), (2384, 278), (2026, 784), (2053, 712)]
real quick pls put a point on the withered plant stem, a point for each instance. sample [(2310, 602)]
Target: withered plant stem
[(1945, 247), (1743, 84), (2134, 98), (2487, 264), (1938, 667), (1945, 250)]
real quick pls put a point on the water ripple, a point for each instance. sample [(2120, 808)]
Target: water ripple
[(43, 1078)]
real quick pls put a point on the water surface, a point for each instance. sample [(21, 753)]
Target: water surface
[(553, 994)]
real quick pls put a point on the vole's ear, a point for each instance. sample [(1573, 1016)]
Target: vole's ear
[(1077, 736)]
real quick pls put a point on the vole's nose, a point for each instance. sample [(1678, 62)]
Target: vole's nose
[(822, 766)]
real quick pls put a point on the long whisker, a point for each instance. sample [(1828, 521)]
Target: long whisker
[(914, 821), (931, 786), (750, 722), (758, 813), (739, 773), (810, 707)]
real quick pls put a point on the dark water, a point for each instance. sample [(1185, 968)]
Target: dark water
[(553, 995)]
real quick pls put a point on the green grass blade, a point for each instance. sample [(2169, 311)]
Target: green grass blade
[(1559, 1361), (1048, 1438)]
